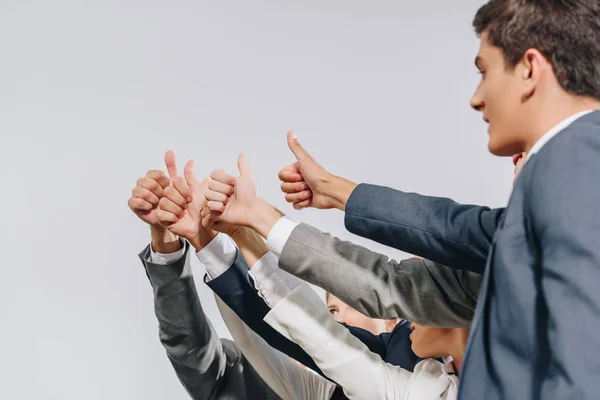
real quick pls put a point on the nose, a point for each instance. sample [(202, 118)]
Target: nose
[(477, 102)]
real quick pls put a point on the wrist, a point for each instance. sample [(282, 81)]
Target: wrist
[(263, 217), (202, 239), (338, 191), (250, 244), (164, 241)]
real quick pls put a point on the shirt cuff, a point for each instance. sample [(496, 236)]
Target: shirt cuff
[(279, 235), (272, 283), (166, 259), (217, 256)]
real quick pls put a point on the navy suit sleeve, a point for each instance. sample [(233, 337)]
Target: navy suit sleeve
[(435, 228), (564, 201), (237, 291)]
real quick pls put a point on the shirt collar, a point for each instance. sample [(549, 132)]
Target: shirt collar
[(555, 131), (448, 367)]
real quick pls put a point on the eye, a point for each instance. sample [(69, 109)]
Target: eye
[(332, 311)]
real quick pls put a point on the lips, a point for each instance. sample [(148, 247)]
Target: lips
[(516, 158)]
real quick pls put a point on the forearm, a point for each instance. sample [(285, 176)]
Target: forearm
[(435, 228), (304, 318), (164, 241), (288, 379), (189, 339), (338, 191), (263, 217)]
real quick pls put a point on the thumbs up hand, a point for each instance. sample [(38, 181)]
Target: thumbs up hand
[(231, 199), (179, 208), (305, 182)]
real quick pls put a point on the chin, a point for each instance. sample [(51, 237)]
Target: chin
[(504, 146)]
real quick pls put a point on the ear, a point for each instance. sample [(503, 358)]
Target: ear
[(532, 70)]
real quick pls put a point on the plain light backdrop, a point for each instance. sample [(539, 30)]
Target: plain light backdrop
[(92, 93)]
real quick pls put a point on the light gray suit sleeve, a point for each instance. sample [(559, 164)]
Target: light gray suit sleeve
[(414, 289)]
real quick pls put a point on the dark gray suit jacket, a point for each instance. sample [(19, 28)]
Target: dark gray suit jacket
[(208, 367), (536, 330)]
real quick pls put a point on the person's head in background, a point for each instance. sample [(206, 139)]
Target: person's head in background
[(345, 314), (539, 63), (432, 342)]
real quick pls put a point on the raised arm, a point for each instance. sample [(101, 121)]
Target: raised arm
[(284, 376), (414, 289), (438, 229), (208, 367), (417, 290), (303, 317)]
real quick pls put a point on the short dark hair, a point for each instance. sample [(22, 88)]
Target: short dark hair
[(566, 32)]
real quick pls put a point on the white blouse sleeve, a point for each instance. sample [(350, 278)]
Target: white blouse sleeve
[(287, 378)]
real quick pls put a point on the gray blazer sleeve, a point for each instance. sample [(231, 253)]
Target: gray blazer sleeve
[(207, 366), (414, 289), (439, 229)]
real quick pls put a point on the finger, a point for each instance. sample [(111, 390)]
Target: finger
[(219, 187), (190, 175), (171, 164), (167, 205), (295, 187), (182, 187), (160, 177), (166, 218), (137, 204), (243, 165), (301, 204), (296, 147), (173, 194), (145, 194), (215, 206), (209, 221), (205, 212), (151, 185), (216, 196), (287, 175), (297, 197), (221, 176)]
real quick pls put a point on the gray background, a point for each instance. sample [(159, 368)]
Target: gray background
[(93, 92)]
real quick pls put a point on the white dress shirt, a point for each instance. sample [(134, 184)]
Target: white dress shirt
[(287, 378), (303, 317)]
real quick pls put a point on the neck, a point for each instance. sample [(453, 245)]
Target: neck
[(457, 352), (556, 113)]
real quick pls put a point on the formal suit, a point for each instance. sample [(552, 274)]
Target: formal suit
[(535, 332), (208, 367)]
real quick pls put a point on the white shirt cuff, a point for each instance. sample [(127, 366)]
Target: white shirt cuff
[(280, 234), (166, 259), (217, 256), (272, 283)]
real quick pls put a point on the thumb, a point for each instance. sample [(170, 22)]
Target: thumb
[(296, 147), (190, 175), (243, 165), (171, 164)]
